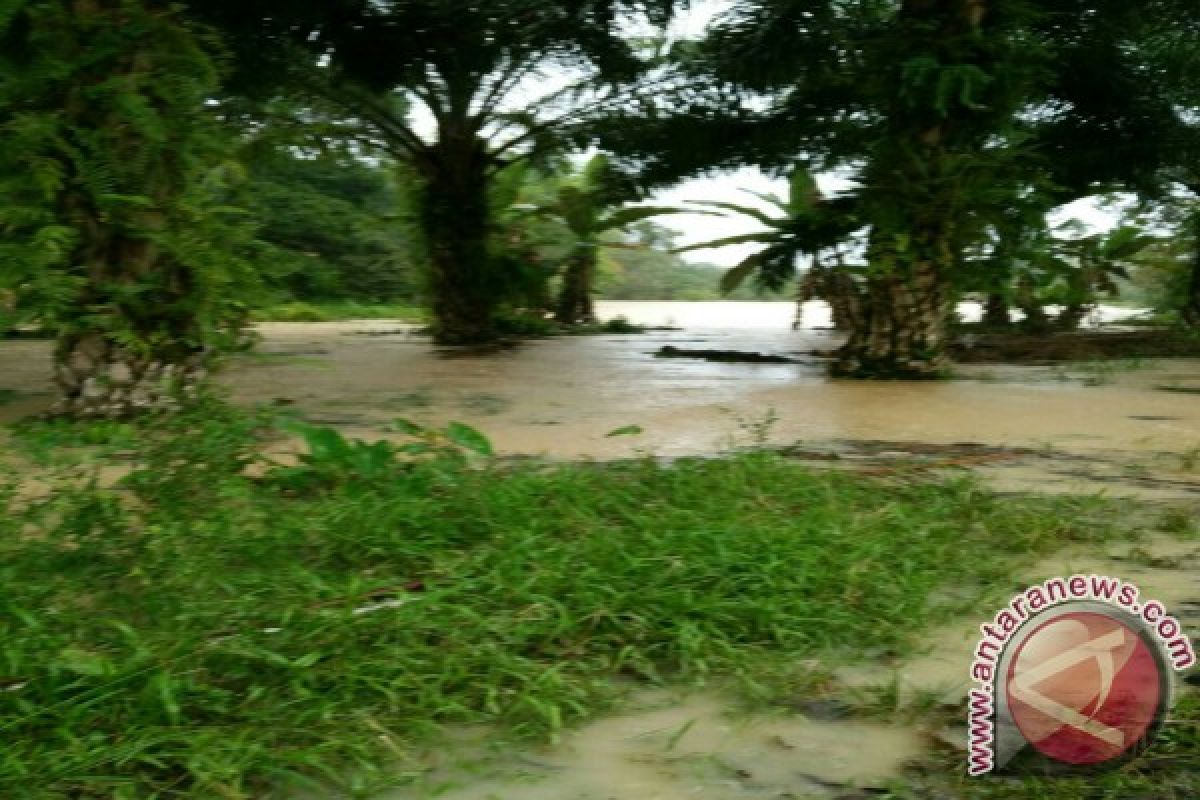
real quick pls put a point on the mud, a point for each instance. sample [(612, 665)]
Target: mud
[(668, 747), (679, 747)]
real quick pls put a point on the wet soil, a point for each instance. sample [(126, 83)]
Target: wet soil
[(676, 747)]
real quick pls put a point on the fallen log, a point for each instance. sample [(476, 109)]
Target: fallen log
[(730, 356)]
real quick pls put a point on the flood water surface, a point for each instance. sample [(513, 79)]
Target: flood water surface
[(560, 397), (672, 748)]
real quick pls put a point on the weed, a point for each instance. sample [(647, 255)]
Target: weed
[(1180, 522), (526, 323), (1098, 372), (759, 430), (1189, 460)]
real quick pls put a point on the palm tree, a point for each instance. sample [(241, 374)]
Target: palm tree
[(591, 205), (1081, 269), (113, 231), (1062, 267), (458, 92), (807, 224)]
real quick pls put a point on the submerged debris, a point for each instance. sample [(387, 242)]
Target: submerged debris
[(732, 356)]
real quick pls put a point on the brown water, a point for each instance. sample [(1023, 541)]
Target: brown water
[(677, 748), (560, 397)]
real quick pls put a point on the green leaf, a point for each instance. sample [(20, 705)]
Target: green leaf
[(772, 199), (765, 237), (409, 427), (324, 443), (306, 661), (84, 662), (628, 430), (164, 692), (736, 276), (468, 438), (628, 216), (746, 211), (803, 193)]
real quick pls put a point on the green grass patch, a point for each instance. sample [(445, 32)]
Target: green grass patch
[(336, 312), (199, 633)]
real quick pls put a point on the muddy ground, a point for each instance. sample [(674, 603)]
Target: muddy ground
[(1117, 427)]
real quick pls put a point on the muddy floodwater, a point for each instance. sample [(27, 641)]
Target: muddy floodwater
[(1116, 427), (667, 747), (560, 397)]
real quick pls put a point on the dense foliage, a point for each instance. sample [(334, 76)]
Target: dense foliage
[(336, 227)]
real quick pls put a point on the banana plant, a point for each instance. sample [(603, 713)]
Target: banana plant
[(1074, 272), (804, 223), (591, 205)]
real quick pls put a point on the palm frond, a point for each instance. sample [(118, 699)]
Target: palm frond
[(765, 237)]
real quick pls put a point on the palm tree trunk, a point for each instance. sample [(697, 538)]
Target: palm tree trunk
[(115, 357), (996, 313), (100, 378), (132, 342), (575, 298), (454, 217), (897, 327), (1072, 316), (835, 287), (1191, 302), (899, 317)]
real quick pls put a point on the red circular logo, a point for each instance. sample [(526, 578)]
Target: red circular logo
[(1084, 688)]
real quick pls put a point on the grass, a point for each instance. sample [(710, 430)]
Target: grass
[(340, 311), (201, 633), (1098, 372), (1171, 772)]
